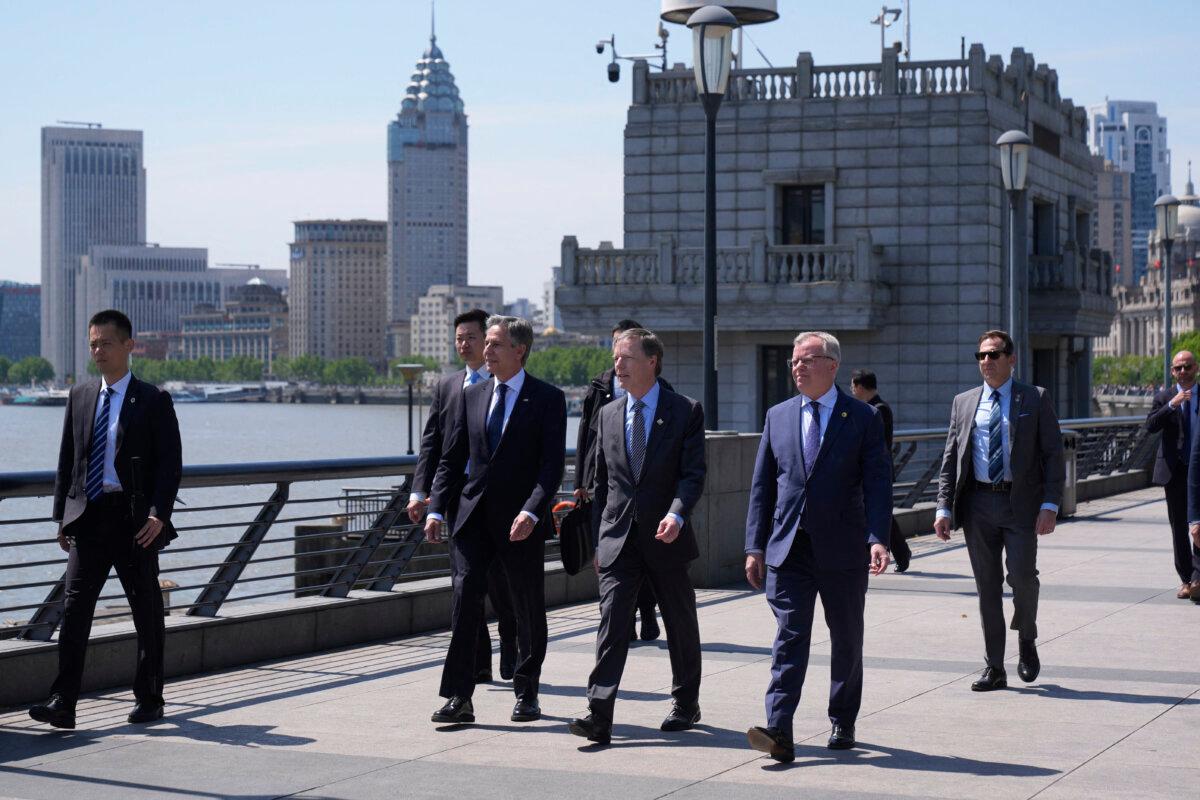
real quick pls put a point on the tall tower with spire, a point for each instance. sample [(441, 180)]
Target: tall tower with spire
[(427, 190)]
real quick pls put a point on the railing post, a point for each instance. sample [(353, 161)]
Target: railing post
[(975, 61), (804, 76), (209, 601), (890, 70), (758, 257), (666, 258), (356, 561), (864, 260), (570, 246)]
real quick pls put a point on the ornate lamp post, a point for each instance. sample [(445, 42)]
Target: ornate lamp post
[(1014, 165), (410, 373), (712, 42), (1166, 216)]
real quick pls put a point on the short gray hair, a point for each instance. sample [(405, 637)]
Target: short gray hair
[(829, 343), (651, 345), (519, 331)]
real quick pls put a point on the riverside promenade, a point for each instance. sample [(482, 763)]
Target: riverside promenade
[(1114, 714)]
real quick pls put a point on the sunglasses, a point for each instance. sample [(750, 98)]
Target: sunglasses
[(993, 355), (1182, 367)]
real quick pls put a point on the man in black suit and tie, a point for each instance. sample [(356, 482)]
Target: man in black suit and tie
[(865, 387), (469, 330), (650, 471), (1174, 414), (512, 431), (820, 513), (1002, 480), (119, 468)]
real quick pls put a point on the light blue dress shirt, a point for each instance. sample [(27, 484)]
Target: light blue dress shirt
[(825, 404), (111, 482), (648, 416)]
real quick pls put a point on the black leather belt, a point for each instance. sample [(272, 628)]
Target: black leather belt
[(1001, 486)]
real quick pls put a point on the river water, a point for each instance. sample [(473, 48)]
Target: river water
[(212, 433)]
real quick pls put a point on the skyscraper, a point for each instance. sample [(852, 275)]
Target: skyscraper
[(427, 188), (93, 192), (1132, 135), (20, 310)]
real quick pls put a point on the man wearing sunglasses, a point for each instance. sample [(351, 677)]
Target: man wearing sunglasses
[(1174, 413), (1002, 481)]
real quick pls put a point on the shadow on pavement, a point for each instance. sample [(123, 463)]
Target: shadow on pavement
[(897, 758), (1063, 693)]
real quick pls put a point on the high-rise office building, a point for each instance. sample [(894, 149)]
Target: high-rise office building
[(1113, 213), (337, 289), (427, 188), (1133, 136), (93, 192), (20, 315)]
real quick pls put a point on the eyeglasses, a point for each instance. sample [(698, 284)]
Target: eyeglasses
[(990, 354), (1182, 367), (804, 361)]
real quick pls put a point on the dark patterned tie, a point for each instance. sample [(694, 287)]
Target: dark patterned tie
[(637, 448), (812, 435), (95, 473), (995, 441), (495, 423)]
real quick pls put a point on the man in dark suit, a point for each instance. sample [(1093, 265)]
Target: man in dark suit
[(820, 512), (512, 431), (119, 469), (1002, 480), (649, 474), (865, 387), (605, 388), (1174, 414), (443, 409)]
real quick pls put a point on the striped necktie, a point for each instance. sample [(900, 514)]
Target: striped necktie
[(637, 445), (812, 436), (95, 473), (995, 441)]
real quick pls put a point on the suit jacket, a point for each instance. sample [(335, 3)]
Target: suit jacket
[(1173, 447), (599, 394), (147, 428), (522, 475), (672, 480), (844, 502), (885, 413), (443, 409), (1035, 457)]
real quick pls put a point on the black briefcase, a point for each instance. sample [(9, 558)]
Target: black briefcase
[(575, 538)]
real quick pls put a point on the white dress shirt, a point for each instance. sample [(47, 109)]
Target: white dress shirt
[(111, 482)]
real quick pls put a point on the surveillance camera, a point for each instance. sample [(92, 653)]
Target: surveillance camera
[(614, 72), (600, 47)]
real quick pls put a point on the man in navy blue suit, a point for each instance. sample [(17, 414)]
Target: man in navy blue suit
[(820, 512)]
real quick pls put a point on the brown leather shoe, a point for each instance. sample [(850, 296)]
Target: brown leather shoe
[(1195, 591), (1185, 592)]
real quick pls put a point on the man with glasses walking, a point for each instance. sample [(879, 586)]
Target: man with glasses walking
[(1174, 414), (1002, 481)]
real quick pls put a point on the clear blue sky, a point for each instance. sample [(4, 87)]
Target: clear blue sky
[(258, 113)]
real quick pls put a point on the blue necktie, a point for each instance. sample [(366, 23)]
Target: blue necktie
[(812, 436), (95, 473), (995, 442), (495, 423)]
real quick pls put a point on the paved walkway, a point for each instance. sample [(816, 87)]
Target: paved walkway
[(1115, 713)]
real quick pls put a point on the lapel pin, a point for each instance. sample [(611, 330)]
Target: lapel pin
[(133, 399), (659, 422), (843, 415)]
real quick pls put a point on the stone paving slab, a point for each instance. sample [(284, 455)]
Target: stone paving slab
[(1114, 713)]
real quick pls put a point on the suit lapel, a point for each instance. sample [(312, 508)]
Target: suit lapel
[(967, 428), (616, 421), (1014, 414), (837, 421), (87, 414), (129, 410), (519, 412), (658, 427)]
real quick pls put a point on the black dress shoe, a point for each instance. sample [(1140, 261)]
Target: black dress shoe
[(484, 675), (508, 659), (145, 712), (1028, 665), (773, 742), (457, 711), (526, 711), (991, 680), (591, 729), (902, 564), (650, 630), (842, 737), (681, 718), (54, 712)]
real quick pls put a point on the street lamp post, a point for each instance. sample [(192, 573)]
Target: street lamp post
[(1014, 165), (410, 373), (1166, 215), (712, 41)]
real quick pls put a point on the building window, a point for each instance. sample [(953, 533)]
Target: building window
[(802, 214), (776, 378)]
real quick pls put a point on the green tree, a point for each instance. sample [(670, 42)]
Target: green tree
[(5, 363), (301, 368), (31, 368), (569, 366), (1188, 340), (239, 369), (348, 372)]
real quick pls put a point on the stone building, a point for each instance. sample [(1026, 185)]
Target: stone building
[(253, 323), (337, 294), (1137, 327), (1111, 229), (865, 200), (433, 324)]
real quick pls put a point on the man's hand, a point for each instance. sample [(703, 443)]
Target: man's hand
[(66, 545), (1180, 398), (879, 559), (1045, 522), (521, 528), (941, 526), (433, 530), (416, 510), (596, 563), (581, 495), (755, 569), (149, 532), (668, 529)]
